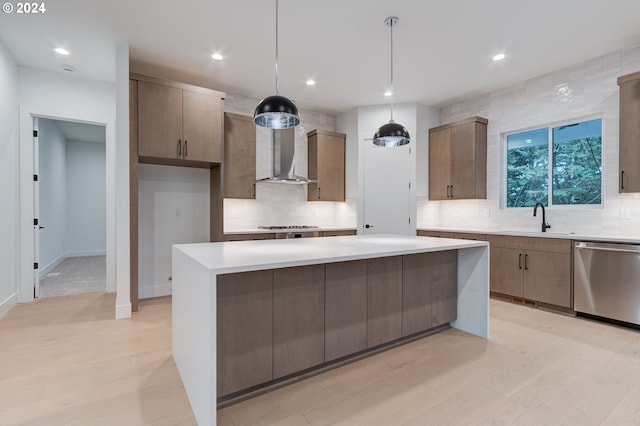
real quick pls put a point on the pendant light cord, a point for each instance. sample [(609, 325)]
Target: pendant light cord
[(277, 81), (391, 27)]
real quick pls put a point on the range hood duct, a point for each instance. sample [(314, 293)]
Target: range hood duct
[(284, 159)]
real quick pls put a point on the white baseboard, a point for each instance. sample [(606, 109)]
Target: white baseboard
[(44, 271), (158, 290), (123, 311), (8, 303), (83, 253)]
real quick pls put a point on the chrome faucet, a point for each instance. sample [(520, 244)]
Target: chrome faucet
[(545, 225)]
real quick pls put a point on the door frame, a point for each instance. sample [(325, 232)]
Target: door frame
[(26, 208)]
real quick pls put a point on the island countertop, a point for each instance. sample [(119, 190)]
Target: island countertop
[(242, 256)]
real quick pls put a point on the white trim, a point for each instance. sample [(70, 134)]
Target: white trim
[(157, 290), (8, 303), (123, 311), (85, 253)]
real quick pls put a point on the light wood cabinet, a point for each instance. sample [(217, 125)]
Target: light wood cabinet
[(345, 309), (326, 162), (239, 156), (458, 160), (298, 319), (245, 330), (384, 300), (250, 237), (436, 234), (536, 269), (444, 297), (629, 158), (179, 124), (339, 233), (417, 287)]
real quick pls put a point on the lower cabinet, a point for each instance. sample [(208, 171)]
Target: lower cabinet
[(275, 323), (384, 300), (537, 269), (298, 319), (345, 309), (245, 330)]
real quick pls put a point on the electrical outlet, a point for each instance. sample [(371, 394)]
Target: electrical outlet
[(169, 278), (487, 212), (625, 213)]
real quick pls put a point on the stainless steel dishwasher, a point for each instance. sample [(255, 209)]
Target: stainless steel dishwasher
[(607, 280)]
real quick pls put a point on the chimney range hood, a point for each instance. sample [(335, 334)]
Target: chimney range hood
[(284, 159)]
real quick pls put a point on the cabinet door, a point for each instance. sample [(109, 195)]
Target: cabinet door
[(298, 319), (245, 330), (202, 126), (463, 162), (629, 180), (384, 300), (547, 277), (445, 287), (417, 271), (345, 309), (439, 164), (239, 156), (159, 121), (326, 161), (507, 268)]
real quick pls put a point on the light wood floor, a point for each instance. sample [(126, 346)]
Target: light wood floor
[(65, 361)]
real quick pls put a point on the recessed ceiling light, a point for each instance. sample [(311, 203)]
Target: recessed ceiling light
[(61, 51), (217, 56), (388, 93), (499, 57), (311, 82)]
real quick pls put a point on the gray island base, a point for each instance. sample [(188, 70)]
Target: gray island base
[(251, 312)]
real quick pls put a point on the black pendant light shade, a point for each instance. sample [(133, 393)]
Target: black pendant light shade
[(276, 112), (391, 134)]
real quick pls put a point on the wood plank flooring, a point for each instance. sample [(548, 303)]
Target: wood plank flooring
[(65, 361)]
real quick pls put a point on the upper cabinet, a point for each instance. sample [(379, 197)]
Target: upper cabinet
[(239, 156), (179, 124), (458, 160), (326, 165), (629, 179)]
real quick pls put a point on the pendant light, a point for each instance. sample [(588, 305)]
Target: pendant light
[(392, 133), (276, 112)]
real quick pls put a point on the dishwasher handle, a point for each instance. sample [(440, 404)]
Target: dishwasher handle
[(608, 249)]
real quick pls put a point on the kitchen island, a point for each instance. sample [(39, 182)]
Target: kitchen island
[(198, 270)]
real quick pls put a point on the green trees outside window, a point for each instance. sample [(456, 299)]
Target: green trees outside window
[(555, 165)]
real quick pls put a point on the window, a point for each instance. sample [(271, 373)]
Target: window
[(555, 165)]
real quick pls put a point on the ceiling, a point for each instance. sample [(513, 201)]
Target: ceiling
[(83, 132), (442, 49)]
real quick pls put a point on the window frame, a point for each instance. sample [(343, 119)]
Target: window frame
[(550, 126)]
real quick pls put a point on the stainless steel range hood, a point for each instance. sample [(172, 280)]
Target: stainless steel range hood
[(284, 159)]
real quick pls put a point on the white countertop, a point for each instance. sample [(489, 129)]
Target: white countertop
[(274, 231), (240, 256), (578, 236)]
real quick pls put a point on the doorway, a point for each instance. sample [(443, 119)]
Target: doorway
[(387, 189), (69, 208)]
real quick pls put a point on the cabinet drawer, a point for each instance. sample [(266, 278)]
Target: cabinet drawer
[(506, 241), (470, 236), (548, 244), (438, 234)]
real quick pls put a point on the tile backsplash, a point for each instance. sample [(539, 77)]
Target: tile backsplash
[(574, 92)]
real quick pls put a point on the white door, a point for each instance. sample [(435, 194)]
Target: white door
[(387, 201), (36, 212)]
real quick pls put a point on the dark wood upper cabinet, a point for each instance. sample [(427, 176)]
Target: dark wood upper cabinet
[(179, 124), (629, 179), (458, 160), (239, 156), (326, 161)]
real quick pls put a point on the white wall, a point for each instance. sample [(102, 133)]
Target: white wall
[(86, 233), (52, 181), (574, 92), (173, 208), (9, 178), (55, 95)]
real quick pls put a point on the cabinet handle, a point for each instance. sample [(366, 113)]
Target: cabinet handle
[(448, 191), (179, 148), (318, 193), (520, 261), (185, 148), (254, 190), (621, 179), (526, 266), (451, 191)]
